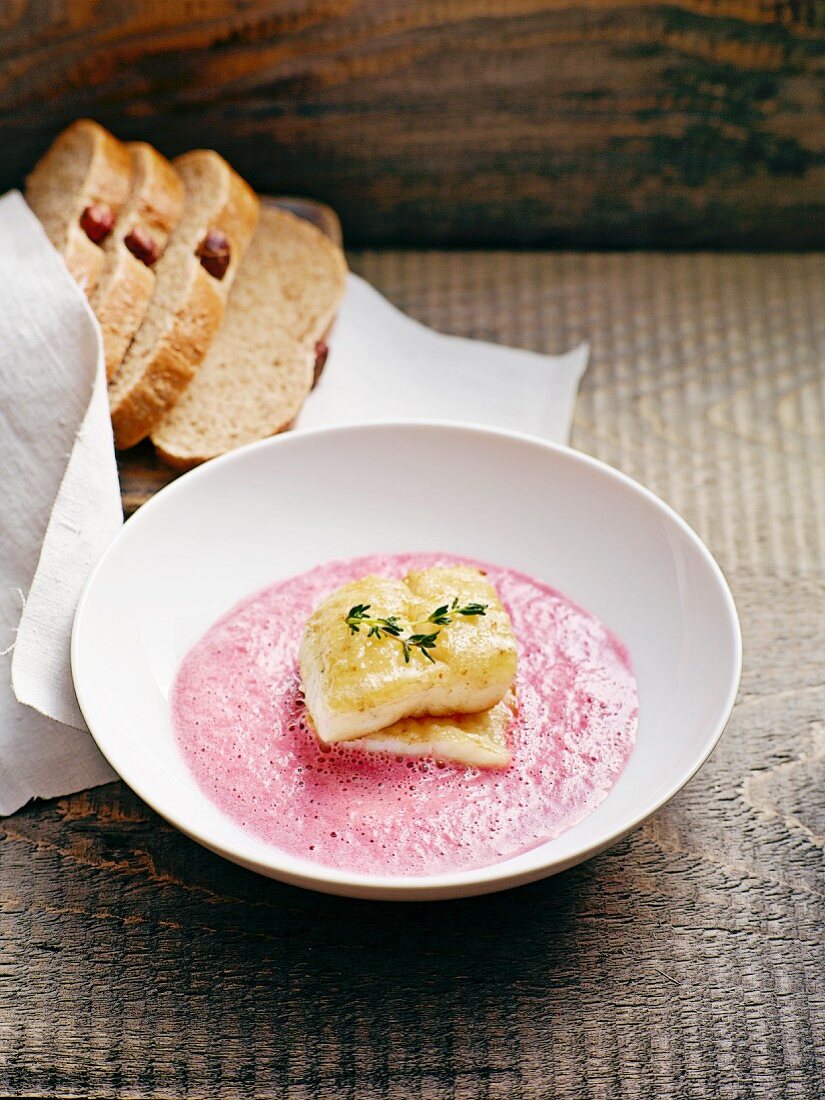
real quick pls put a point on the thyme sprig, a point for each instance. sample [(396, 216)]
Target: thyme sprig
[(391, 627), (441, 615)]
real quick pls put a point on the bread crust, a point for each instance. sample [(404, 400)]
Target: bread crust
[(106, 180), (175, 361), (126, 284), (158, 203), (120, 304), (195, 321)]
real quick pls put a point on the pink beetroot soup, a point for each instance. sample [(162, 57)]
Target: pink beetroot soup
[(240, 724)]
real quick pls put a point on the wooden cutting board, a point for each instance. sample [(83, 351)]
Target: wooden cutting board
[(141, 471)]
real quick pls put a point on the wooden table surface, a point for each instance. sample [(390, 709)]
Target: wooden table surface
[(584, 123), (686, 962)]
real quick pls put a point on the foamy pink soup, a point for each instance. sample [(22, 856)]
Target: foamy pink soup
[(240, 724)]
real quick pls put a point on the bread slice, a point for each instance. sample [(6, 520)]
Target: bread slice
[(260, 368), (187, 305), (140, 235), (84, 168), (320, 215)]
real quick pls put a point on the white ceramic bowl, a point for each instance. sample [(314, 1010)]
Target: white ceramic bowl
[(277, 508)]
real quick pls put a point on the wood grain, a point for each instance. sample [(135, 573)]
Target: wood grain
[(589, 123), (684, 963)]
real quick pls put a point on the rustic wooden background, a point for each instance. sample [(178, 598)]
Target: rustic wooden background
[(686, 962), (425, 122)]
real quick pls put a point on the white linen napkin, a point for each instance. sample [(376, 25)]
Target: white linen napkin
[(58, 491), (59, 496)]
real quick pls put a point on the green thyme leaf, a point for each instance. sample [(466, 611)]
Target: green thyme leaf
[(472, 609), (391, 627)]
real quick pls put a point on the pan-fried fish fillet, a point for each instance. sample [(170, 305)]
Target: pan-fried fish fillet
[(356, 683), (478, 740)]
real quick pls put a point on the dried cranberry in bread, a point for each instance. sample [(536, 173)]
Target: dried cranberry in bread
[(261, 366), (77, 190), (137, 242), (188, 302)]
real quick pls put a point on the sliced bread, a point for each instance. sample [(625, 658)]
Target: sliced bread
[(192, 282), (141, 232), (260, 368), (77, 190)]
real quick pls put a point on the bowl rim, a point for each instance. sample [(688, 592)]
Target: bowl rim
[(486, 879)]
